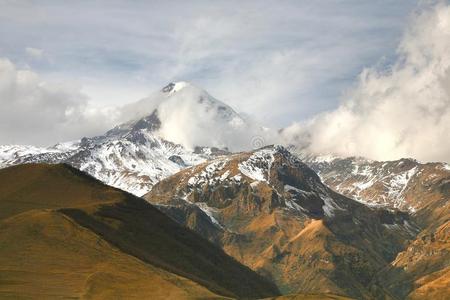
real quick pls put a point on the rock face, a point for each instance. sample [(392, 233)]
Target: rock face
[(272, 213), (421, 271)]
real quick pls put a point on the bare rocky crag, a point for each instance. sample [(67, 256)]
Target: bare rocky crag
[(272, 213)]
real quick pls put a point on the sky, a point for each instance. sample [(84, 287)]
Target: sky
[(65, 67)]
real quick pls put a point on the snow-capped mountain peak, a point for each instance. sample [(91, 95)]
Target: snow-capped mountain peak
[(185, 114), (179, 126), (174, 87)]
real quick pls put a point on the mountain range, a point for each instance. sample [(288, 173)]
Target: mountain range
[(220, 218)]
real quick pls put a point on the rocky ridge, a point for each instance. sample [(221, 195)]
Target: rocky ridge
[(272, 213)]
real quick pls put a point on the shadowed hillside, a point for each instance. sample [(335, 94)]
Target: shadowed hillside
[(65, 234)]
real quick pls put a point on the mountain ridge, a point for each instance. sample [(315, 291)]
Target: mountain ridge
[(272, 213)]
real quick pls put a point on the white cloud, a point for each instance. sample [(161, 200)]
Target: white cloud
[(34, 53), (34, 111), (403, 111)]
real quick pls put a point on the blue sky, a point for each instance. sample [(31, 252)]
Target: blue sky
[(278, 61)]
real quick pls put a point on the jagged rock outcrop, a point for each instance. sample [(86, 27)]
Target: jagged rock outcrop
[(272, 213)]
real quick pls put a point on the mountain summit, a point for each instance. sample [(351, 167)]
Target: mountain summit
[(188, 115), (174, 87)]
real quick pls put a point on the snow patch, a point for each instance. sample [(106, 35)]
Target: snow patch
[(446, 167), (325, 158), (254, 184), (288, 188), (209, 211), (209, 175), (399, 183), (258, 165)]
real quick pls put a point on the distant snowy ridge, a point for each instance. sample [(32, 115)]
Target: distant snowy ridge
[(385, 183), (132, 162)]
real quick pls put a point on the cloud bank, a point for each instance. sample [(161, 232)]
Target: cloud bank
[(33, 111), (397, 111), (250, 54)]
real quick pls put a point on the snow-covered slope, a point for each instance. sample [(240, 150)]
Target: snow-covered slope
[(133, 161), (19, 154)]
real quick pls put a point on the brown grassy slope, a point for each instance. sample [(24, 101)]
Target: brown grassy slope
[(137, 228), (34, 186), (127, 222), (433, 286), (44, 254)]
